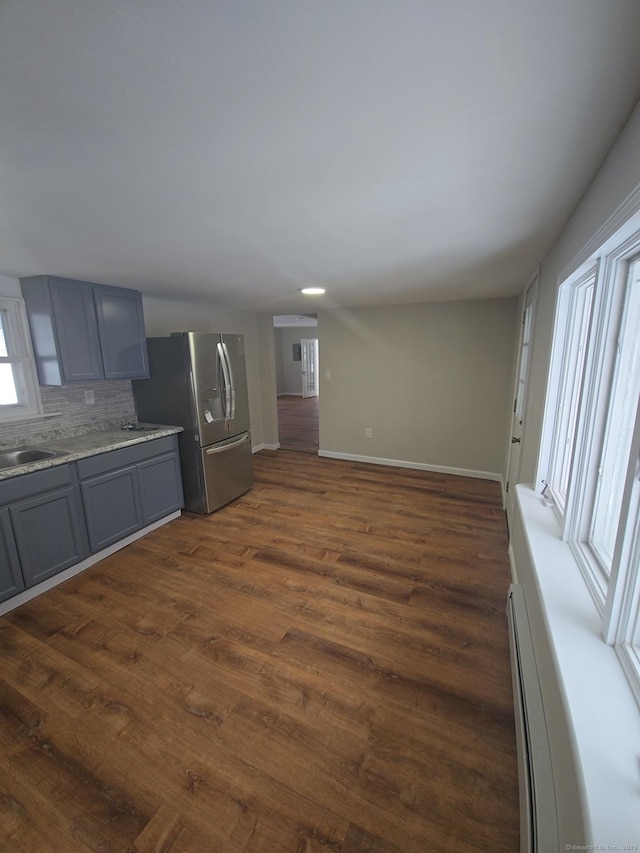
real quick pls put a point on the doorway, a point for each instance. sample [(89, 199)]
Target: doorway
[(309, 353), (297, 386)]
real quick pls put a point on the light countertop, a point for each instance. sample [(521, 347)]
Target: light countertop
[(87, 444)]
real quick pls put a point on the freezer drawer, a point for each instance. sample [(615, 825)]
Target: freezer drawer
[(228, 470)]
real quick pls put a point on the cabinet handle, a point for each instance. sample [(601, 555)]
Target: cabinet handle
[(211, 450)]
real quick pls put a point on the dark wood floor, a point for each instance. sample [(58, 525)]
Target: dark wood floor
[(298, 423), (320, 666)]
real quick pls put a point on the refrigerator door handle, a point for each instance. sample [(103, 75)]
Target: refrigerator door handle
[(211, 450), (226, 381), (231, 382)]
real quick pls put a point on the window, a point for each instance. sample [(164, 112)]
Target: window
[(574, 313), (525, 354), (590, 456), (19, 392), (622, 616), (620, 420)]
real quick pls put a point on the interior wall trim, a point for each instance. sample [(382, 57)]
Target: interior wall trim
[(418, 466), (629, 207)]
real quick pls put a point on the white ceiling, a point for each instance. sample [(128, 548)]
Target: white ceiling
[(389, 150), (298, 321)]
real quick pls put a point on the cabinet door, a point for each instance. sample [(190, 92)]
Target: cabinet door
[(49, 533), (11, 580), (112, 507), (160, 487), (76, 328), (122, 339)]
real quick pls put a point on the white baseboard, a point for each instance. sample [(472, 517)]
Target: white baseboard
[(260, 447), (419, 466), (64, 575)]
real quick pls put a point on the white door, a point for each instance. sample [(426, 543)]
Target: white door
[(309, 348), (521, 397)]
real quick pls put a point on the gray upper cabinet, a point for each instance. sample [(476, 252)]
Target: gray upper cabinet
[(83, 331), (75, 327), (121, 327)]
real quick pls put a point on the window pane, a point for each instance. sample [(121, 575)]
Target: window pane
[(3, 342), (8, 391), (620, 424), (525, 354), (579, 319), (19, 392)]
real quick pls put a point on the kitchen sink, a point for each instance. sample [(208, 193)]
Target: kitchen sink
[(23, 455)]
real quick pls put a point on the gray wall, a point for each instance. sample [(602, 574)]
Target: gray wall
[(163, 316), (433, 382), (289, 372), (615, 181)]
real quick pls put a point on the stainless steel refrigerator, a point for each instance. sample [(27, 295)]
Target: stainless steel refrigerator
[(199, 382)]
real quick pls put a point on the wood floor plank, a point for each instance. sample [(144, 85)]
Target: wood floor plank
[(30, 821), (298, 423), (320, 666)]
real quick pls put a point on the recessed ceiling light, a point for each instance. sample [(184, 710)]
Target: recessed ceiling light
[(312, 291)]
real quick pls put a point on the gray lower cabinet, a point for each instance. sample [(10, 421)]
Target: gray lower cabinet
[(11, 580), (124, 490), (160, 484), (83, 331), (112, 507), (52, 519), (47, 521), (49, 534)]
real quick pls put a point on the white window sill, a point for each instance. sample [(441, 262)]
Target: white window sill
[(600, 708)]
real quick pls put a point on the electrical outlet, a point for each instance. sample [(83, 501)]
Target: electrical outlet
[(89, 398), (327, 374), (368, 432)]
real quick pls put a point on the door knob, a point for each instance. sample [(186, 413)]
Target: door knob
[(515, 440)]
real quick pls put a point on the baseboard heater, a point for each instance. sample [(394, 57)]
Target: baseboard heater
[(538, 803)]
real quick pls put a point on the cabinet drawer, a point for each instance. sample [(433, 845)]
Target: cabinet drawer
[(25, 485), (113, 459)]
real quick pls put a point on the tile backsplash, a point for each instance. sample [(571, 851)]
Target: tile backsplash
[(112, 408)]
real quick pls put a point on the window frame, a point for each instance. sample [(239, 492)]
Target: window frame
[(599, 388), (20, 355), (621, 624), (526, 348), (571, 294), (621, 338), (615, 594)]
